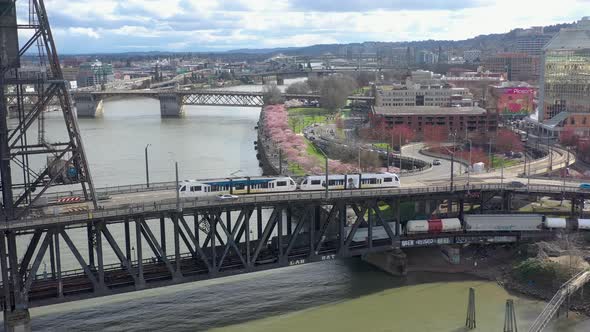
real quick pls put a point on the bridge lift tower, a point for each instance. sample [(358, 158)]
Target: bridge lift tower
[(29, 163)]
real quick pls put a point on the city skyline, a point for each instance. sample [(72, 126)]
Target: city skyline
[(113, 26)]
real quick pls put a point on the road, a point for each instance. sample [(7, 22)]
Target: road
[(439, 172)]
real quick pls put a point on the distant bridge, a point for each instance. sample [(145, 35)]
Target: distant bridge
[(89, 104)]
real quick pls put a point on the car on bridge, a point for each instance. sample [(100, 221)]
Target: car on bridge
[(585, 186), (227, 197), (516, 184)]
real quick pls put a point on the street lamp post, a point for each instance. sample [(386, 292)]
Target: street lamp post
[(388, 159), (470, 164), (327, 170), (360, 170), (502, 174), (177, 185), (400, 153), (147, 171), (491, 165)]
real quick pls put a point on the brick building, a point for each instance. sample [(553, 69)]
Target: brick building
[(470, 121)]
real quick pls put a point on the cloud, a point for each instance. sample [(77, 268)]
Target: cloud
[(370, 5), (88, 32), (200, 25)]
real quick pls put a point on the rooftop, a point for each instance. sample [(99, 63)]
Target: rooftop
[(428, 110)]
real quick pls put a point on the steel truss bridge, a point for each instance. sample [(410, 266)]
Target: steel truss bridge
[(187, 97), (212, 238)]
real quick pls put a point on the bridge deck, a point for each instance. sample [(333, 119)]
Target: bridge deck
[(163, 201)]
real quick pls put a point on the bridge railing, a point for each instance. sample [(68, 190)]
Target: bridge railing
[(212, 202), (115, 190)]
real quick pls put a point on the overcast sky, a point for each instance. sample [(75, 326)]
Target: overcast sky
[(88, 26)]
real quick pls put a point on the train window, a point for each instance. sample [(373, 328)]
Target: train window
[(196, 188), (240, 186), (292, 182), (387, 180), (183, 189), (281, 183), (396, 179), (370, 181), (316, 182)]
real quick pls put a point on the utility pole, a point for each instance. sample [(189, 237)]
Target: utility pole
[(491, 165), (327, 170), (388, 159), (470, 164), (400, 153), (360, 170), (280, 161), (453, 161), (177, 187), (147, 171)]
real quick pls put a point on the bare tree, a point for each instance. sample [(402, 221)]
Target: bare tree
[(272, 95), (298, 88), (335, 90), (314, 84), (364, 78)]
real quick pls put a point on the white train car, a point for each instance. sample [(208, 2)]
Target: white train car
[(318, 182), (375, 180), (255, 185), (503, 222), (362, 234), (350, 181)]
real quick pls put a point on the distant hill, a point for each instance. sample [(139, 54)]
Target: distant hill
[(490, 43)]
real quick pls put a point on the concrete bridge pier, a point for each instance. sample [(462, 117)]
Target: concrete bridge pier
[(17, 320), (393, 262), (87, 105), (280, 80), (171, 105)]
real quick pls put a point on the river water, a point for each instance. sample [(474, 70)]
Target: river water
[(344, 295)]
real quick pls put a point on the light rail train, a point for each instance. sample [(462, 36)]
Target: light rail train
[(257, 185)]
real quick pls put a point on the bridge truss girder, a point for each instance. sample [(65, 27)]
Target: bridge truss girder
[(16, 149), (223, 99), (200, 243), (205, 244)]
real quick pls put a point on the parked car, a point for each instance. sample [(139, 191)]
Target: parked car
[(226, 197), (516, 184), (436, 162), (585, 186), (517, 155)]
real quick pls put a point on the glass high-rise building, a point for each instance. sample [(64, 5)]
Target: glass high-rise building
[(565, 79)]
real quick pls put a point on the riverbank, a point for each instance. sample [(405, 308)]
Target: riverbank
[(501, 264)]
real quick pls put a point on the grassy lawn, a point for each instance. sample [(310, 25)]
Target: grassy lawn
[(301, 117), (498, 161), (309, 111), (361, 91), (383, 146), (298, 123), (548, 206), (296, 169), (314, 152)]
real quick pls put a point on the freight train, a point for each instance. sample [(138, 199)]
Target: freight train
[(258, 185), (475, 223)]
